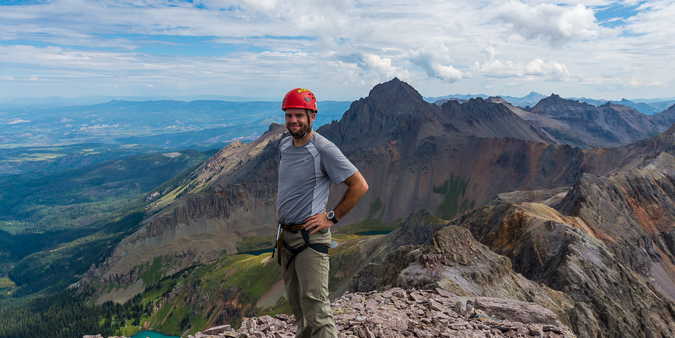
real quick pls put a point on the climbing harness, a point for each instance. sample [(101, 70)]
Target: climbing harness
[(294, 228)]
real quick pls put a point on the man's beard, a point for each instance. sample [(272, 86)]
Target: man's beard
[(300, 133)]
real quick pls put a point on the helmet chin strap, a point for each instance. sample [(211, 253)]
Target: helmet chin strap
[(303, 135), (308, 129)]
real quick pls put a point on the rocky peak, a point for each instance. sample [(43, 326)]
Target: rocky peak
[(496, 99), (454, 261), (273, 127), (392, 111), (485, 118), (229, 159), (556, 105), (487, 108), (395, 91), (621, 108), (534, 95), (553, 99)]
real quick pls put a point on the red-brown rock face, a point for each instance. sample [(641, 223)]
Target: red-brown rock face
[(609, 246)]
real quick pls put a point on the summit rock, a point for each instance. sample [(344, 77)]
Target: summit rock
[(399, 313)]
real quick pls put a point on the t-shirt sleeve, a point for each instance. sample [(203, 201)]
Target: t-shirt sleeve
[(336, 165)]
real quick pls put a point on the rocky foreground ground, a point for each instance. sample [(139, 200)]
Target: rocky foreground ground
[(414, 313)]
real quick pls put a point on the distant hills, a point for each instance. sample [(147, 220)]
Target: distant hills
[(583, 125), (58, 137), (530, 99), (645, 106), (55, 101), (116, 121)]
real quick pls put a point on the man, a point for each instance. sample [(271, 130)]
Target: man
[(309, 163)]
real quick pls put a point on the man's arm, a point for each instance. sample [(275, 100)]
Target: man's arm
[(356, 188)]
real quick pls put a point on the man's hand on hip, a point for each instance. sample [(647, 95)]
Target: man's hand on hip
[(318, 222)]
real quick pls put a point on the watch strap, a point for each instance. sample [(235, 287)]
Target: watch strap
[(331, 216)]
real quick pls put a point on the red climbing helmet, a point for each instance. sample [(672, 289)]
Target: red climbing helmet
[(299, 98)]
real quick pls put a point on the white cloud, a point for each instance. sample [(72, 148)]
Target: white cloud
[(654, 19), (636, 83), (65, 59), (368, 69), (381, 66), (350, 73), (557, 24), (538, 67), (535, 68), (435, 60)]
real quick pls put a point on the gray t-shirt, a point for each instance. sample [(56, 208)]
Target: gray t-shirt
[(305, 175)]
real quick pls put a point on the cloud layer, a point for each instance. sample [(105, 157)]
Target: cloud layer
[(339, 48), (558, 25)]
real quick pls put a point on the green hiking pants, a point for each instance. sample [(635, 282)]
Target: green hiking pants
[(306, 282)]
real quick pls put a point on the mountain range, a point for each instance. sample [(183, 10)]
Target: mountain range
[(566, 205), (645, 106)]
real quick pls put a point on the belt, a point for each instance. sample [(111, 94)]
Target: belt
[(294, 227)]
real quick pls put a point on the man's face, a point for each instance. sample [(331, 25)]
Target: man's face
[(296, 121)]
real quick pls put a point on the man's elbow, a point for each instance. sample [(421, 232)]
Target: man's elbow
[(363, 186), (357, 184)]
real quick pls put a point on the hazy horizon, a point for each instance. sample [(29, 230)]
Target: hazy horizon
[(96, 99)]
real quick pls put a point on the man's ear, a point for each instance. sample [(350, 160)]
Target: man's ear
[(312, 115)]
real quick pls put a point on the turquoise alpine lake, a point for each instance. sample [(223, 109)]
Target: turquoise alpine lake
[(151, 334)]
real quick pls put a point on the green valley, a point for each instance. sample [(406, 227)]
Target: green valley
[(219, 292), (54, 226)]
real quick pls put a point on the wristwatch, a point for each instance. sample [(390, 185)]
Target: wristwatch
[(331, 216)]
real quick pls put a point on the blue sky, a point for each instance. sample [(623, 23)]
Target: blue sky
[(340, 49)]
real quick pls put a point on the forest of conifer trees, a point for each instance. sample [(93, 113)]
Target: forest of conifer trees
[(66, 315)]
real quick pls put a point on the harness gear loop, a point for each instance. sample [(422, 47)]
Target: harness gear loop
[(294, 228), (276, 246)]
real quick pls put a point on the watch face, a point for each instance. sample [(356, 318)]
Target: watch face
[(330, 215)]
